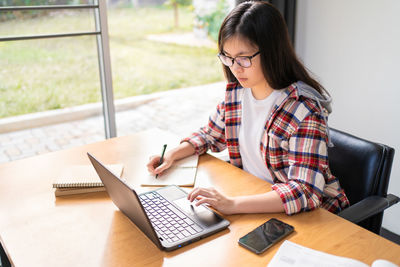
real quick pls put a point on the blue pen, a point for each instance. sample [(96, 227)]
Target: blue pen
[(162, 157)]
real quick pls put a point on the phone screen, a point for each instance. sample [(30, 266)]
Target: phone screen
[(265, 235)]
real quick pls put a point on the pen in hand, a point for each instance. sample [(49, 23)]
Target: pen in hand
[(162, 157)]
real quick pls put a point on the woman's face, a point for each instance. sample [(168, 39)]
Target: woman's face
[(251, 77)]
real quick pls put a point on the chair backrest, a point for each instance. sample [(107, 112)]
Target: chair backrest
[(363, 169)]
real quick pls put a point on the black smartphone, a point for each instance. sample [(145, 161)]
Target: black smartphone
[(265, 235)]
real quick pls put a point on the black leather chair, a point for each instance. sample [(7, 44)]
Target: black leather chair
[(363, 169)]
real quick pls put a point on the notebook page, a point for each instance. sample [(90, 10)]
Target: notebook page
[(291, 254), (182, 173)]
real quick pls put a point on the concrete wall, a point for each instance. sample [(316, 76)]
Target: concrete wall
[(353, 48)]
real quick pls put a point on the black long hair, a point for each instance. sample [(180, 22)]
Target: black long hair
[(263, 25)]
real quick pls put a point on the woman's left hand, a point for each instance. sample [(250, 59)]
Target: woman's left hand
[(213, 198)]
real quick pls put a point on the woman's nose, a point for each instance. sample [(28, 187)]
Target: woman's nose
[(236, 67)]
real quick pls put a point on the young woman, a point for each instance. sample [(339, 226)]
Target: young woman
[(272, 121)]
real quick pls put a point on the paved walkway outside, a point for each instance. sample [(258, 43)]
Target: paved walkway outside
[(179, 111)]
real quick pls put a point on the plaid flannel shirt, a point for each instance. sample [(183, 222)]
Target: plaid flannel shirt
[(293, 146)]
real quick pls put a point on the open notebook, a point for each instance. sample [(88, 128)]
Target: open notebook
[(291, 254), (181, 173)]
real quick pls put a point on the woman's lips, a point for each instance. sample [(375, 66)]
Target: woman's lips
[(242, 79)]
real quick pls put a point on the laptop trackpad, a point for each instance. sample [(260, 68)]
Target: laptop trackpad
[(200, 213)]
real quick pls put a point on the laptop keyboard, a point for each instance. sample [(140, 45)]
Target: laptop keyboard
[(169, 222)]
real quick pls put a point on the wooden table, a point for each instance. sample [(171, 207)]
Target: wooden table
[(38, 229)]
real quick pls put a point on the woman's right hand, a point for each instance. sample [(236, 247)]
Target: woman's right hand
[(153, 165), (182, 151)]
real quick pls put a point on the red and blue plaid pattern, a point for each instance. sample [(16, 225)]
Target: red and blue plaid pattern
[(294, 147)]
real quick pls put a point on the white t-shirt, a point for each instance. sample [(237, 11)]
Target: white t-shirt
[(254, 116)]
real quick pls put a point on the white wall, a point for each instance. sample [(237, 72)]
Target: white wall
[(353, 48)]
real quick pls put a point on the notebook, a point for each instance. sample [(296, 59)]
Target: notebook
[(77, 190), (181, 173), (291, 254), (80, 176), (164, 215)]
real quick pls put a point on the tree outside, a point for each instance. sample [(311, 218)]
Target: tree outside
[(175, 5)]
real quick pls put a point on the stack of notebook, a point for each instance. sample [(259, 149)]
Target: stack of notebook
[(78, 179)]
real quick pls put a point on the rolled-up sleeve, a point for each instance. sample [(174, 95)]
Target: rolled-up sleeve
[(308, 163), (211, 136)]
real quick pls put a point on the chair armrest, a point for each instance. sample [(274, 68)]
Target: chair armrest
[(368, 207), (392, 199)]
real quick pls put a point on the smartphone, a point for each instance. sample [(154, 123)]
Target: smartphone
[(265, 235)]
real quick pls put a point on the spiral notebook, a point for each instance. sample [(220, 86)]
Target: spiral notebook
[(83, 176), (66, 191)]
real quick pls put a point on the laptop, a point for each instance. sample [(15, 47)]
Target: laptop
[(164, 215)]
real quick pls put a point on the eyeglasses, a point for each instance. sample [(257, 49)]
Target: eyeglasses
[(242, 61)]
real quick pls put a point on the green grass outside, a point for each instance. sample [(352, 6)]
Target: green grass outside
[(47, 74)]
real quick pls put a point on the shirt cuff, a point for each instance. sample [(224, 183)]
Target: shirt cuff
[(295, 198), (198, 148), (282, 192)]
